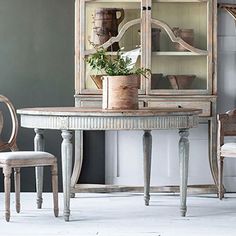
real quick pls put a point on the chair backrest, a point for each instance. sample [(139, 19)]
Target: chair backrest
[(226, 125), (11, 143)]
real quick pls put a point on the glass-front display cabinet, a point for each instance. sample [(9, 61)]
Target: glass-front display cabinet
[(176, 39), (172, 38)]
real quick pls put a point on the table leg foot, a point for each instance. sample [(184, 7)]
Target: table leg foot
[(39, 202), (66, 215), (183, 212), (146, 200)]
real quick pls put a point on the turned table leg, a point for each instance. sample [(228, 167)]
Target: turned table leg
[(39, 145), (147, 155), (183, 160), (66, 155)]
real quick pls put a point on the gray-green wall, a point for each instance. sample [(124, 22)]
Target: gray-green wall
[(37, 69)]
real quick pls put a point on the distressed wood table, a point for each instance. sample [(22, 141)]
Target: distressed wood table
[(68, 119)]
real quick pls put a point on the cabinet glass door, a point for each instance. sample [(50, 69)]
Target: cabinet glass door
[(180, 47), (113, 25)]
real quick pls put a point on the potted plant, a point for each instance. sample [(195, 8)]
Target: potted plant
[(121, 79)]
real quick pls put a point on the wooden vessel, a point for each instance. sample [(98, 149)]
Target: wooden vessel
[(106, 25), (97, 79), (181, 81), (120, 92), (186, 34)]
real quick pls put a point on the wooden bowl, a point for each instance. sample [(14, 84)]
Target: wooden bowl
[(97, 79), (186, 34), (181, 81)]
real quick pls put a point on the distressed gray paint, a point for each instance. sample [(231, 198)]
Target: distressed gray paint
[(73, 118), (39, 145)]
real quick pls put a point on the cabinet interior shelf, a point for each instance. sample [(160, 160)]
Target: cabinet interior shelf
[(169, 53), (88, 52), (159, 53)]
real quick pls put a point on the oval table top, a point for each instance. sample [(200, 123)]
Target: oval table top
[(75, 118), (77, 111)]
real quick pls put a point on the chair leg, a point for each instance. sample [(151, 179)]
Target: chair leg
[(17, 188), (7, 188), (55, 188), (220, 177), (39, 185)]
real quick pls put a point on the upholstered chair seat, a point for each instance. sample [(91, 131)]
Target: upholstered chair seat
[(228, 149), (16, 159)]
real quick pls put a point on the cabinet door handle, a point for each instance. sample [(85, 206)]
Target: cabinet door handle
[(149, 8), (180, 106), (144, 8)]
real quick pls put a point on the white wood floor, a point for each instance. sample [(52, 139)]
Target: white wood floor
[(123, 214)]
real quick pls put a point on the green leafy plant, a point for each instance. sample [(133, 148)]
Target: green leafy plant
[(114, 65)]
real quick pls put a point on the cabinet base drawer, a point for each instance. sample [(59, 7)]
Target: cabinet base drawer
[(97, 103), (91, 104), (205, 106)]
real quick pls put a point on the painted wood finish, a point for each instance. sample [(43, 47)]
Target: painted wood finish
[(147, 155), (199, 60), (226, 127), (183, 159), (7, 188), (17, 159), (66, 156), (73, 118), (39, 145)]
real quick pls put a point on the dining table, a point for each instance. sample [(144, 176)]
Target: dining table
[(69, 119)]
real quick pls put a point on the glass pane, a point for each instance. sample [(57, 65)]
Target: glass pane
[(179, 72), (187, 20), (104, 19)]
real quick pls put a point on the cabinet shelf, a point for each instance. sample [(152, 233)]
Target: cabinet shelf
[(88, 52), (172, 53), (163, 53)]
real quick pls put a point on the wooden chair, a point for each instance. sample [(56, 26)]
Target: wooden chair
[(226, 127), (17, 159)]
